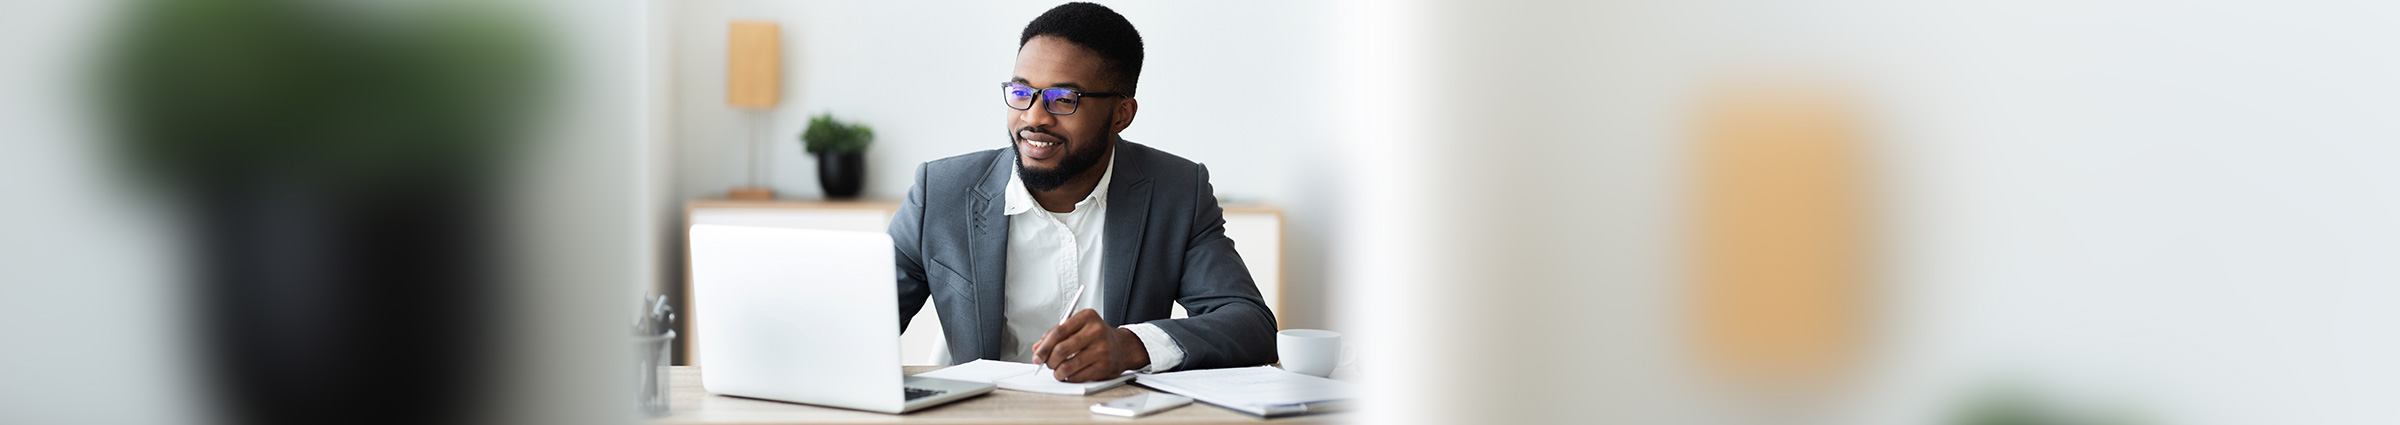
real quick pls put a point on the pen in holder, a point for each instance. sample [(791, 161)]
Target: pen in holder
[(654, 334), (653, 354)]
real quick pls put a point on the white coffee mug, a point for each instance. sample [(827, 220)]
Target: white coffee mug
[(1312, 351)]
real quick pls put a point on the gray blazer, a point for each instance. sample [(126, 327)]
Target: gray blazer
[(1165, 242)]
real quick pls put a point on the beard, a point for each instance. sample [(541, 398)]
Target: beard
[(1079, 159)]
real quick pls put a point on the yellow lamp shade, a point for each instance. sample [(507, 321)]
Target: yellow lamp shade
[(1779, 237), (753, 64)]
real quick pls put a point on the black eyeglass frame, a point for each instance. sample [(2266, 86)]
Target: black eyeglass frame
[(1041, 95)]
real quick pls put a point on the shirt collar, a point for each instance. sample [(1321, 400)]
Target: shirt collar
[(1020, 199)]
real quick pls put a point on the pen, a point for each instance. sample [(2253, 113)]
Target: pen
[(1062, 319)]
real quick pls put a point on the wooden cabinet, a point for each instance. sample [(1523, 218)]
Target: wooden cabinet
[(1257, 233)]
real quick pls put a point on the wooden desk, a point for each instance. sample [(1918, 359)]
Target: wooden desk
[(693, 405)]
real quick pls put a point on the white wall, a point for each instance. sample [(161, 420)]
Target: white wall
[(95, 264), (923, 75), (2179, 209), (2179, 212)]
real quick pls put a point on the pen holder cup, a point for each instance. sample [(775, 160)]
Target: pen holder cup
[(652, 354)]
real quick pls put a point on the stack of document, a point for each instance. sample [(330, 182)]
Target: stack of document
[(1021, 377), (1263, 391)]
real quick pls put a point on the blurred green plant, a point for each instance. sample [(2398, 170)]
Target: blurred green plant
[(828, 135), (2017, 405), (343, 92)]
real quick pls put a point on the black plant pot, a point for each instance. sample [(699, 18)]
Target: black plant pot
[(841, 173), (321, 303)]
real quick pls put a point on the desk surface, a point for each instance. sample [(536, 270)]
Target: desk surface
[(694, 405)]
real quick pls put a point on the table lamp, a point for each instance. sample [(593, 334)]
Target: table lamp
[(753, 77)]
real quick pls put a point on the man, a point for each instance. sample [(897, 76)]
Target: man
[(1069, 247)]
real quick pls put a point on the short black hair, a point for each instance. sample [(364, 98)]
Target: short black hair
[(1094, 27)]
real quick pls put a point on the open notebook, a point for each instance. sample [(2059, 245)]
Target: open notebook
[(1021, 377)]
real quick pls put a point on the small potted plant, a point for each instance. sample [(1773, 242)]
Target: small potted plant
[(841, 150)]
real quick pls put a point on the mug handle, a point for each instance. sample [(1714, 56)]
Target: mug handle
[(1349, 354)]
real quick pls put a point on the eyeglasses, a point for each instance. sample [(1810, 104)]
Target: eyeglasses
[(1057, 100)]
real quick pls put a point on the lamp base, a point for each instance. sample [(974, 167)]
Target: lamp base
[(751, 193)]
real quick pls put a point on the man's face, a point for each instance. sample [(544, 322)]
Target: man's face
[(1053, 148)]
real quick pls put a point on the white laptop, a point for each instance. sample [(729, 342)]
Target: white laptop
[(805, 316)]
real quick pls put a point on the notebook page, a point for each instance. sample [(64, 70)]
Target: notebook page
[(1020, 377)]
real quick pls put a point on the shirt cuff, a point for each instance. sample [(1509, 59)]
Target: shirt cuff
[(1165, 354)]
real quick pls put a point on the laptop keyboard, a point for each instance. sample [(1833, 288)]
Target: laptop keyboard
[(917, 393)]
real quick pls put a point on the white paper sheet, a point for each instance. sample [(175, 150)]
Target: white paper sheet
[(1021, 377)]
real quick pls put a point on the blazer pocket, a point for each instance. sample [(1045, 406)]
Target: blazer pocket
[(949, 286), (944, 277), (954, 277)]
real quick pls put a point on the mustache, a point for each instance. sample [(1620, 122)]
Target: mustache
[(1019, 134)]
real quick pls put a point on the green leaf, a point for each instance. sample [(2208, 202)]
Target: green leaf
[(826, 134)]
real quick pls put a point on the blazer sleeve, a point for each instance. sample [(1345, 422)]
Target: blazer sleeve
[(907, 255), (1230, 325)]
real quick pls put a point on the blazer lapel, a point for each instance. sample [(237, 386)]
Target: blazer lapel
[(987, 252), (1128, 210)]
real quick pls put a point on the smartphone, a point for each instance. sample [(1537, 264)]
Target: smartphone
[(1136, 406)]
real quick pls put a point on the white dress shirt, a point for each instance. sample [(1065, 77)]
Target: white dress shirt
[(1050, 256)]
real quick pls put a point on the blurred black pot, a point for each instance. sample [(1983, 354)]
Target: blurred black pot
[(369, 308), (841, 173)]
